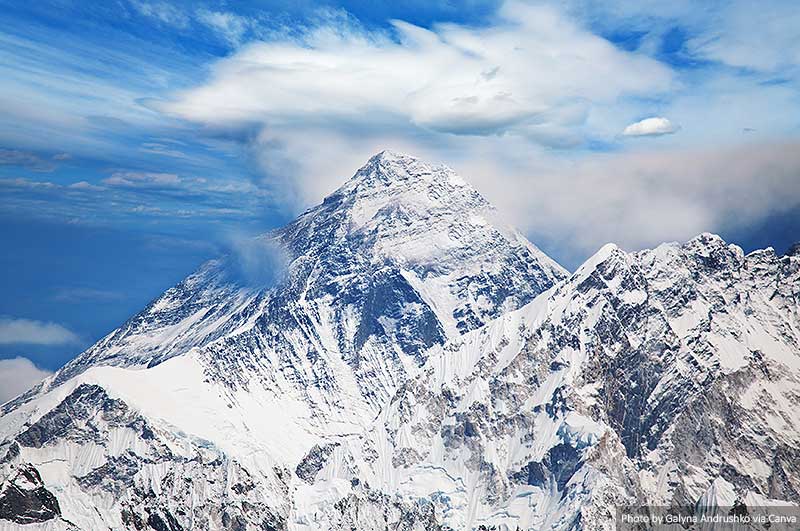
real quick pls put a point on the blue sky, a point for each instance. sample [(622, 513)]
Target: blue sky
[(139, 138)]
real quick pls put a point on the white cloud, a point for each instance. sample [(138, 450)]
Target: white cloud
[(17, 375), (534, 73), (13, 330), (227, 25), (656, 126)]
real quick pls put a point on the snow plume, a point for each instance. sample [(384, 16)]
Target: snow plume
[(258, 262)]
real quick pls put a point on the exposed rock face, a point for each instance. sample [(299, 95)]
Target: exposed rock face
[(25, 500), (314, 461), (413, 364)]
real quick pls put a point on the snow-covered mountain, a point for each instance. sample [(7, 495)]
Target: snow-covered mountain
[(663, 377), (398, 357)]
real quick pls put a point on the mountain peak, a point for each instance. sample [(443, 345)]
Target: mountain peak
[(423, 216), (389, 155), (707, 239), (402, 257), (390, 169)]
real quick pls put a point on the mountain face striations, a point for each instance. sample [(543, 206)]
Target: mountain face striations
[(398, 358)]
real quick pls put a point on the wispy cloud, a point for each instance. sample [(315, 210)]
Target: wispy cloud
[(28, 331), (229, 26), (164, 12), (22, 183), (28, 160), (157, 148), (131, 179), (258, 262), (78, 294), (85, 186), (17, 375), (155, 197), (753, 35)]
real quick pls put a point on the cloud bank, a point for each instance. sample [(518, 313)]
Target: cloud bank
[(641, 199), (450, 79)]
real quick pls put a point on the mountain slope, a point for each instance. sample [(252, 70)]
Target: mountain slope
[(669, 376), (403, 257), (410, 363)]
